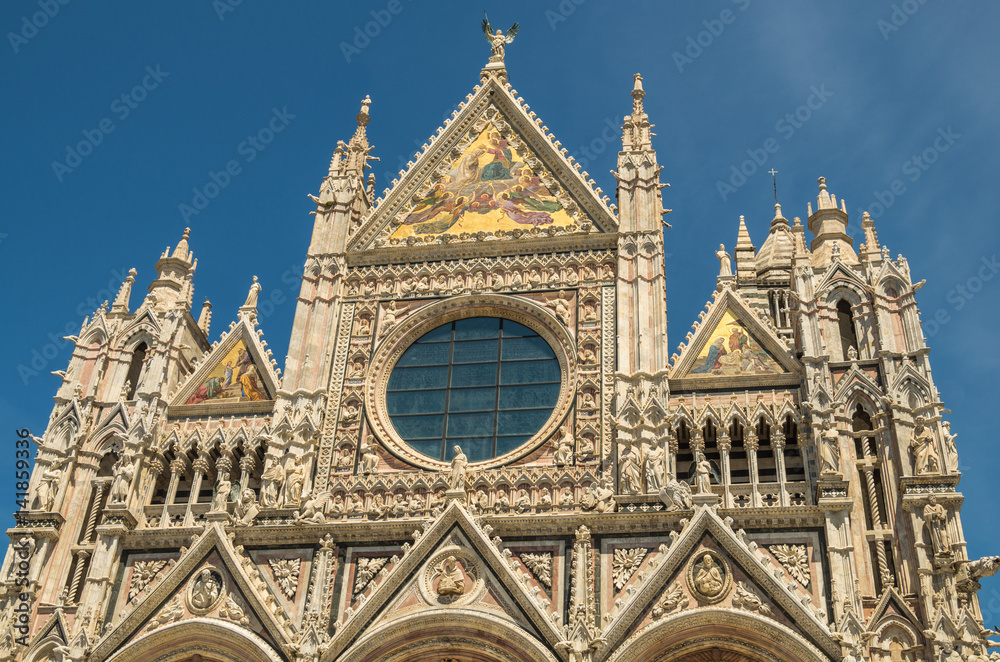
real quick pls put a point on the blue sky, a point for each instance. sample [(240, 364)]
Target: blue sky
[(199, 78)]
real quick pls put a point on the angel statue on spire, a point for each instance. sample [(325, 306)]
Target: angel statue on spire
[(499, 40)]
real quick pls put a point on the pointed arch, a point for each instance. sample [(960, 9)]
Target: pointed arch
[(471, 635), (690, 632), (213, 638)]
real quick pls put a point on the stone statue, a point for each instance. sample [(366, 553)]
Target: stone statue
[(48, 487), (246, 507), (586, 450), (205, 590), (924, 450), (122, 480), (502, 503), (369, 460), (629, 476), (936, 521), (295, 479), (564, 449), (456, 474), (970, 572), (703, 474), (272, 482), (545, 500), (708, 580), (523, 501), (452, 581), (251, 301), (222, 490), (654, 469), (498, 41), (566, 498), (725, 262), (676, 494), (950, 447), (829, 451), (599, 497)]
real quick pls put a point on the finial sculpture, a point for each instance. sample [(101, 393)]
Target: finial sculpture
[(498, 41)]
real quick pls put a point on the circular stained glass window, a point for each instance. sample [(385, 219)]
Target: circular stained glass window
[(486, 384)]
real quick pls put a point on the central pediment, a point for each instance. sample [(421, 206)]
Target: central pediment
[(491, 174)]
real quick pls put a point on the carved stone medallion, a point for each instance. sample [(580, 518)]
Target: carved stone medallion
[(708, 577), (205, 590), (452, 577)]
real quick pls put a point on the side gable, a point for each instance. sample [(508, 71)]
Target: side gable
[(732, 347), (235, 378)]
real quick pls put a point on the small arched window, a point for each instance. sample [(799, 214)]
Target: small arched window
[(845, 323), (135, 369)]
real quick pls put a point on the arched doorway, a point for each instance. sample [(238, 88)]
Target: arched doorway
[(198, 640), (447, 634), (717, 635)]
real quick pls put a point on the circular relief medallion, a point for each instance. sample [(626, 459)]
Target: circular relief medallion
[(205, 590), (708, 577), (452, 577)]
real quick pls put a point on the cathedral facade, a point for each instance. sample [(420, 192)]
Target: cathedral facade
[(781, 489)]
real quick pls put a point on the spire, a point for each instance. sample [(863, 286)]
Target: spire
[(778, 248), (799, 232), (205, 318), (174, 285), (358, 148), (828, 226), (745, 254), (125, 293), (636, 134), (778, 220), (181, 252), (871, 237)]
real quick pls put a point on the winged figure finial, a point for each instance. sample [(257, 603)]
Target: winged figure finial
[(499, 40)]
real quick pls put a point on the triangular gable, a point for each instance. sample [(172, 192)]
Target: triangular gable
[(417, 565), (172, 585), (55, 628), (491, 173), (891, 603), (841, 274), (789, 596), (733, 344), (116, 419), (234, 378), (143, 316)]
